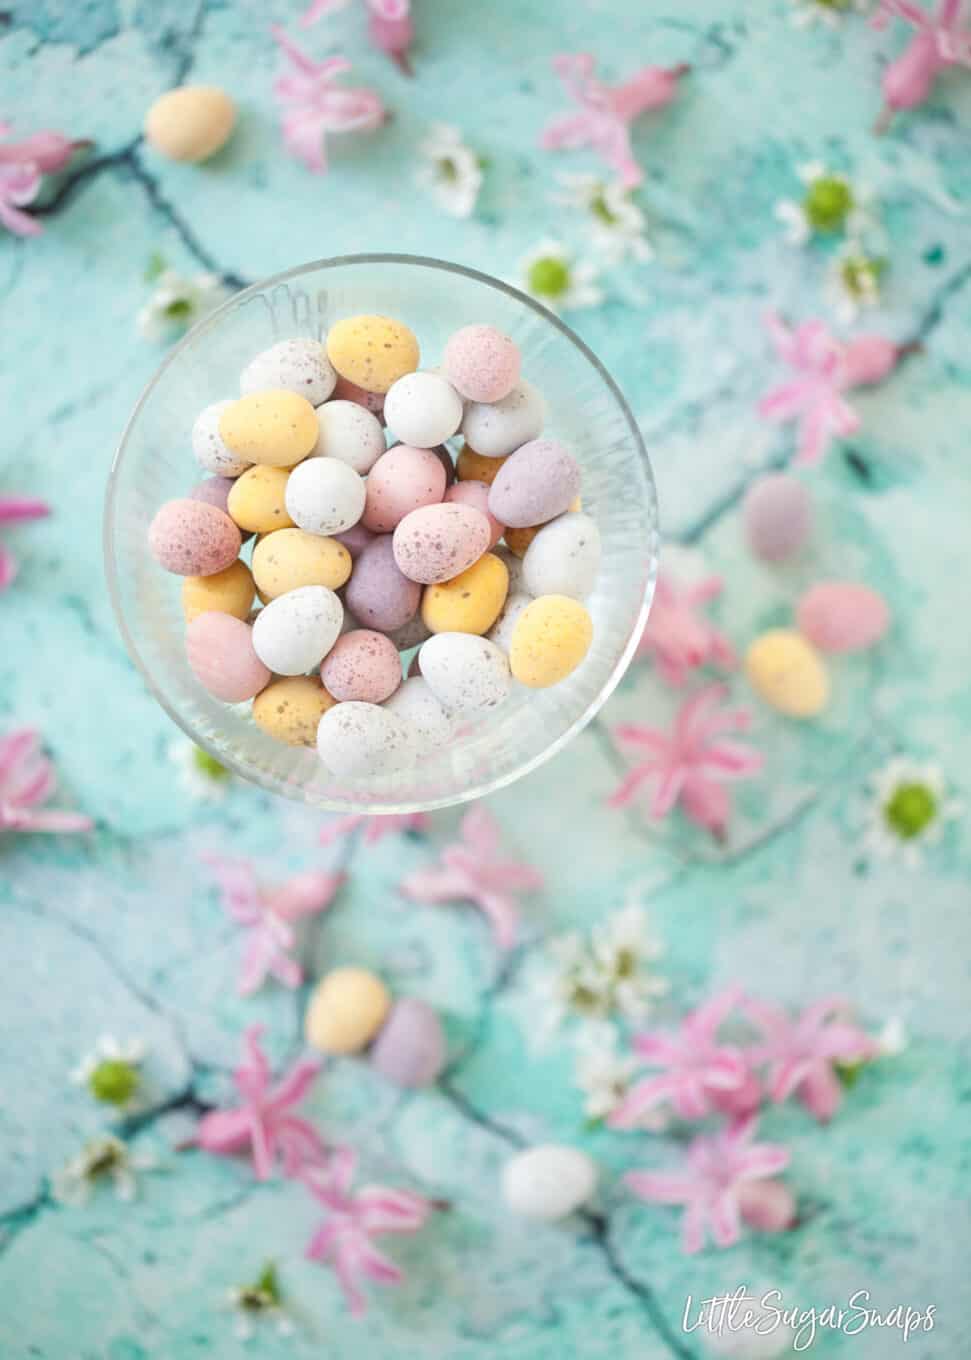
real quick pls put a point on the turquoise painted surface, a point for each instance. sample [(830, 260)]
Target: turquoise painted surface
[(120, 931)]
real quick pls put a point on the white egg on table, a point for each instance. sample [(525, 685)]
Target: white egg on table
[(548, 1181), (293, 633), (324, 496)]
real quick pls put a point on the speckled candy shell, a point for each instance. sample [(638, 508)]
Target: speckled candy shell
[(402, 480), (193, 538), (358, 739), (481, 363), (467, 674), (294, 632), (495, 429), (476, 495), (220, 653), (362, 665), (534, 484), (208, 446), (439, 542), (378, 594), (299, 366)]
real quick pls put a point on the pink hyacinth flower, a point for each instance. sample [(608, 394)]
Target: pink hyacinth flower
[(262, 1124), (354, 1218), (471, 870), (49, 151), (678, 636), (696, 1066), (313, 104), (375, 828), (718, 1170), (389, 25), (22, 167), (607, 112), (27, 780), (269, 916), (940, 40), (814, 395), (16, 510), (690, 765), (800, 1053)]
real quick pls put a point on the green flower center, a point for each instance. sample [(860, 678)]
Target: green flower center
[(833, 4), (828, 203), (263, 1294), (910, 811), (861, 275), (179, 309), (113, 1081), (105, 1158), (600, 209), (626, 964), (448, 169), (208, 765), (548, 277)]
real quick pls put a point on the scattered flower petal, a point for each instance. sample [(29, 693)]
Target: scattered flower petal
[(853, 282), (312, 104), (828, 12), (389, 25), (551, 275), (678, 636), (831, 204), (200, 774), (375, 828), (615, 223), (27, 780), (911, 806), (177, 302), (814, 395), (942, 39), (801, 1054), (260, 1300), (17, 510), (110, 1072), (450, 170), (22, 167), (105, 1158)]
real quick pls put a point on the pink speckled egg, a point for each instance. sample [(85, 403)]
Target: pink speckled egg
[(401, 480), (535, 484), (220, 652), (355, 539), (362, 665), (481, 363), (842, 616), (476, 494), (215, 491), (437, 542), (378, 594), (410, 1047), (371, 401), (193, 538), (777, 514)]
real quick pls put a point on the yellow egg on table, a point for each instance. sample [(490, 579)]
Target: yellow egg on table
[(469, 603), (372, 352), (229, 591), (190, 123), (551, 637), (276, 428), (788, 673), (475, 467), (290, 708), (290, 558), (256, 500), (346, 1011)]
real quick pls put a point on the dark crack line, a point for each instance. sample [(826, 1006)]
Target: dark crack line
[(70, 188)]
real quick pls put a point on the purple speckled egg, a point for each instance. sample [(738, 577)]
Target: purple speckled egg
[(438, 542), (476, 494), (777, 514), (401, 480), (362, 665), (215, 491), (355, 539), (410, 1047), (193, 538), (220, 653), (378, 594), (842, 616), (481, 363), (535, 484)]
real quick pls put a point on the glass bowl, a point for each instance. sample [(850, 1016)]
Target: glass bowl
[(154, 463)]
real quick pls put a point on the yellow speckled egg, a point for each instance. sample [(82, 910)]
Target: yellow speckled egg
[(291, 558), (225, 592), (256, 500), (289, 709), (372, 351), (190, 123), (475, 467), (469, 603), (551, 637), (346, 1011), (276, 428), (788, 673), (518, 540)]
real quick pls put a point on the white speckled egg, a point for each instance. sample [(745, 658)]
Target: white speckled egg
[(548, 1181), (350, 433), (299, 366), (514, 566), (324, 496), (467, 674), (294, 632), (501, 631), (500, 427), (563, 558), (422, 409), (207, 443), (362, 739), (415, 703)]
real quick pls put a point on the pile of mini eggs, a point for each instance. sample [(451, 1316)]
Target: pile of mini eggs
[(363, 552)]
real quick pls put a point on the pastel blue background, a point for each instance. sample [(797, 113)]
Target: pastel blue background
[(120, 930)]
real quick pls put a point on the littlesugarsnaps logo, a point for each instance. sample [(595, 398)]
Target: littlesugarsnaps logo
[(743, 1314)]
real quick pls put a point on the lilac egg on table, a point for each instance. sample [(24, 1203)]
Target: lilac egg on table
[(481, 363), (842, 616), (476, 494), (193, 538), (536, 483), (438, 542), (220, 652), (362, 665), (355, 539), (378, 594), (410, 1047), (777, 514), (402, 480)]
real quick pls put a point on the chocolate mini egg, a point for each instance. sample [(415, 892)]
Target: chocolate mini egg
[(359, 739), (495, 429), (842, 616), (563, 557), (548, 1181), (350, 433), (347, 1009), (229, 591), (362, 665), (402, 480), (192, 538), (467, 674), (378, 593), (422, 409), (470, 602), (208, 447), (481, 363), (414, 702), (372, 352), (291, 558), (550, 639), (190, 123), (410, 1047), (325, 496), (534, 484), (294, 632), (474, 467), (257, 501), (777, 513), (476, 495), (275, 428), (299, 366), (438, 542), (787, 673), (290, 709), (445, 458), (502, 630), (355, 539), (222, 657)]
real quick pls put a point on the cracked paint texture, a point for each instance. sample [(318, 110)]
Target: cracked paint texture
[(121, 931)]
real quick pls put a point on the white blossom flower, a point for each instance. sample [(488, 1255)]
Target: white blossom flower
[(615, 222), (893, 1039), (261, 1299), (201, 775), (829, 12), (177, 302), (600, 1072), (554, 278), (105, 1158), (110, 1071), (854, 281), (909, 811), (451, 171), (830, 204)]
